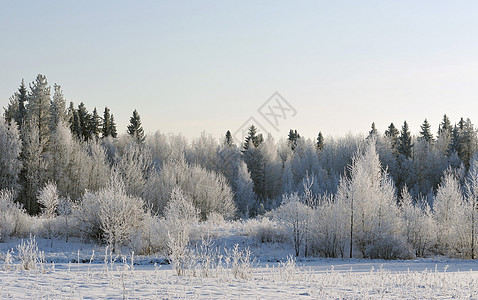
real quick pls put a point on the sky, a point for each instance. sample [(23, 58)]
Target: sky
[(209, 66)]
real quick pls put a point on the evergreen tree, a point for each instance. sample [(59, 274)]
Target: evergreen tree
[(292, 138), (444, 126), (16, 108), (392, 133), (106, 128), (95, 124), (253, 138), (425, 133), (135, 130), (229, 141), (112, 128), (373, 131), (57, 107), (320, 141), (84, 119), (38, 109), (405, 142)]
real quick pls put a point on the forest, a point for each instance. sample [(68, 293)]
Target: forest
[(67, 172)]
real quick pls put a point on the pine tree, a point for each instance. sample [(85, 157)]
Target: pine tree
[(38, 109), (135, 130), (392, 133), (229, 141), (405, 142), (425, 133), (320, 141)]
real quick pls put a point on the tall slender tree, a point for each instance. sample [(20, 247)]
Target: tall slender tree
[(405, 141)]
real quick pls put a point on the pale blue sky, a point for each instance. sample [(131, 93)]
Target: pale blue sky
[(209, 65)]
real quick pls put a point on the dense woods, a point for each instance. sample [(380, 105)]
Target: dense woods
[(392, 194)]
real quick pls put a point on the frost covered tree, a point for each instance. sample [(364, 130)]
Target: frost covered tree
[(471, 192), (420, 227), (449, 212), (135, 130), (48, 198), (134, 166), (294, 214), (208, 190), (10, 148), (374, 219), (244, 194), (179, 215), (57, 108), (33, 174), (38, 108)]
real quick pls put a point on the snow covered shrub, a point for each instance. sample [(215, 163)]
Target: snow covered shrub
[(13, 219), (265, 230), (241, 262), (29, 255), (329, 228), (150, 237), (110, 215)]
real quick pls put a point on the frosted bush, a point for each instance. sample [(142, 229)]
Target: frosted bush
[(110, 215), (13, 219), (265, 231), (151, 237), (29, 255)]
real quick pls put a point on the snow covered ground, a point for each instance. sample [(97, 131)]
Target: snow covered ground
[(77, 270)]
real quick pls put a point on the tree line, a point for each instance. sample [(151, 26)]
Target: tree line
[(342, 186)]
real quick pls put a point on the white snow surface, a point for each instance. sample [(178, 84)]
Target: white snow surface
[(77, 270)]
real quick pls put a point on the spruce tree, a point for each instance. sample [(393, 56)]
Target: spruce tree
[(425, 133), (106, 128), (112, 127), (253, 138), (84, 119), (320, 141), (229, 141), (405, 142), (445, 126), (292, 138), (392, 133), (135, 130), (95, 123), (373, 131), (16, 108)]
